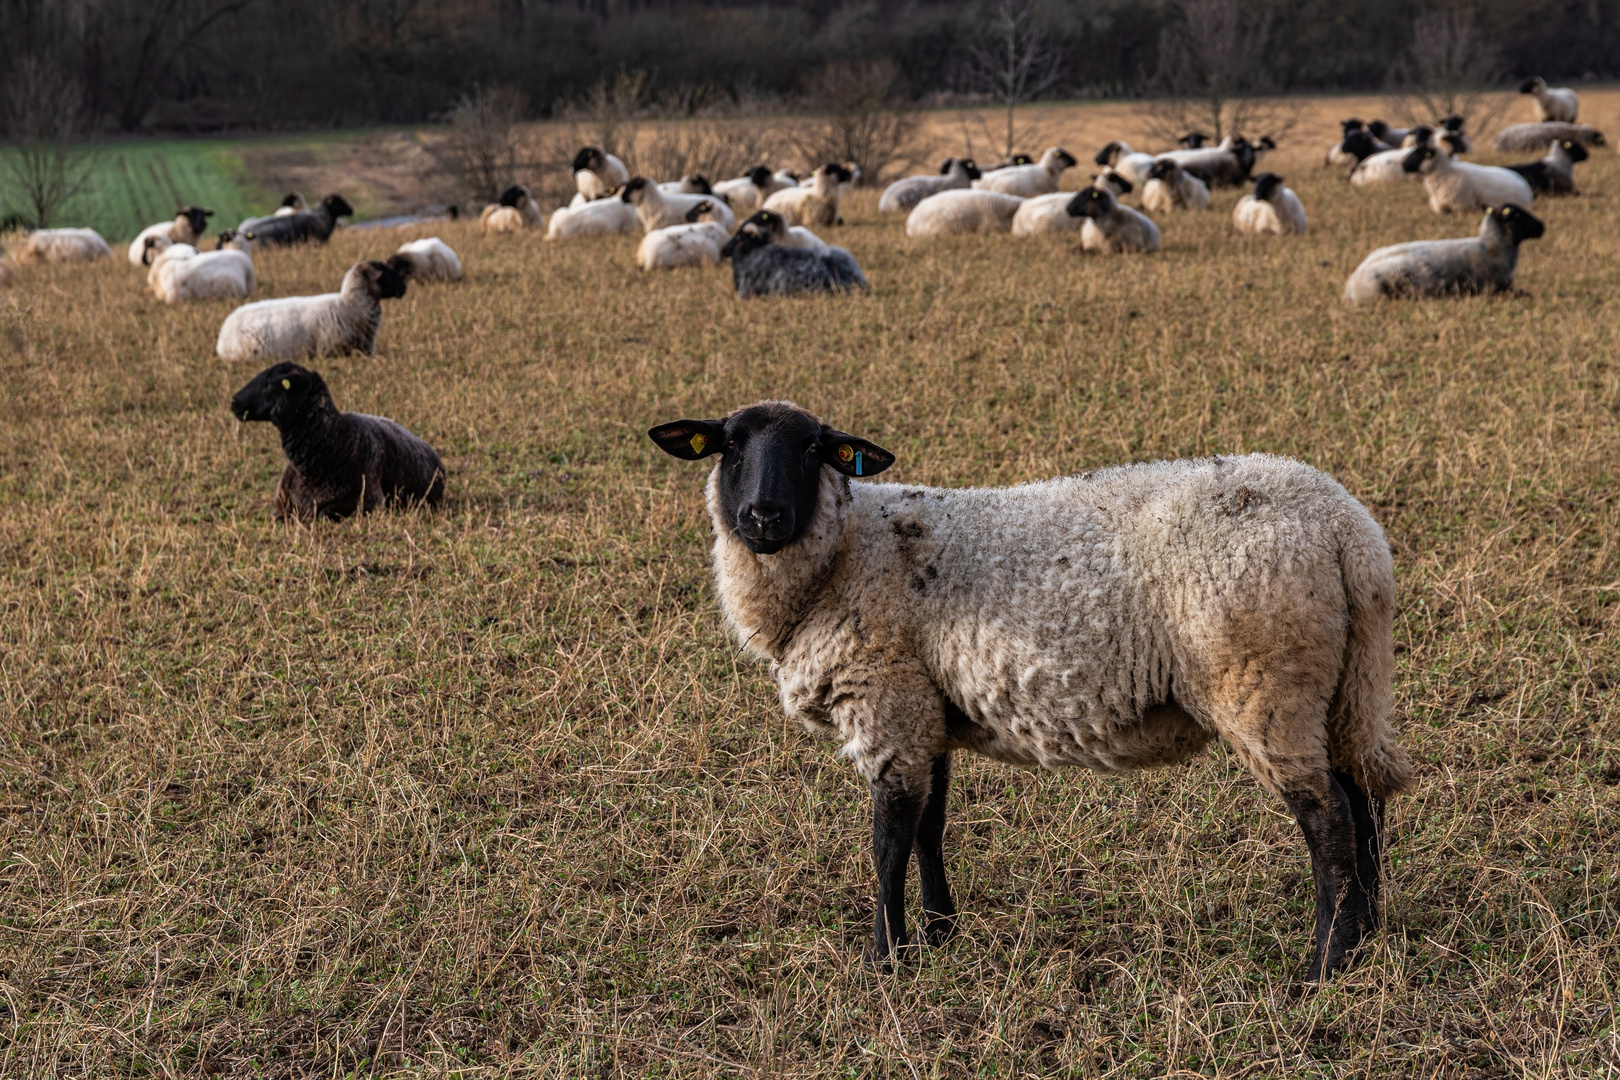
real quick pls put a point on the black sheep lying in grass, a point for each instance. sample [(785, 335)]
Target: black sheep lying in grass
[(762, 267), (303, 226), (338, 463)]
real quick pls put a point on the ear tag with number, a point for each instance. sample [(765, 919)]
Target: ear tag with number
[(699, 441), (286, 384)]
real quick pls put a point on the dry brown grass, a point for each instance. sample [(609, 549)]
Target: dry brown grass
[(488, 793)]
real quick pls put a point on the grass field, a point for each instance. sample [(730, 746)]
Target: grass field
[(488, 793)]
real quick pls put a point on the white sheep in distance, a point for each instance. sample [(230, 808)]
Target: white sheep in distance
[(62, 246), (817, 204), (697, 242), (514, 212), (1270, 208), (1131, 164), (181, 272), (903, 195), (1026, 181), (600, 217), (1118, 620), (1525, 138), (1460, 185), (1355, 145), (1170, 187), (430, 259), (1555, 104), (1046, 214), (332, 324), (657, 209), (598, 174), (1226, 165), (1111, 228), (961, 212), (745, 194), (1464, 267), (187, 227), (1388, 167)]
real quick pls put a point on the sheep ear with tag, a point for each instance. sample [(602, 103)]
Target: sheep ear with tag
[(690, 439), (852, 455)]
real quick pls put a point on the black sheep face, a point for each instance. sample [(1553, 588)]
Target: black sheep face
[(197, 218), (1347, 126), (1266, 185), (337, 206), (1575, 150), (150, 249), (945, 168), (635, 190), (1413, 162), (278, 392), (1107, 154), (1517, 222), (1360, 145), (514, 195), (384, 281), (699, 209), (291, 199), (1530, 86), (1066, 160), (972, 169), (1090, 202), (758, 231), (1163, 169), (770, 466), (225, 237), (589, 158), (400, 265), (759, 176), (838, 172)]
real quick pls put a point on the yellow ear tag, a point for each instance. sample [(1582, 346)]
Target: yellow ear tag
[(286, 384), (846, 453), (699, 441)]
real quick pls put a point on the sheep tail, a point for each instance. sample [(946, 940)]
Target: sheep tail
[(1360, 738)]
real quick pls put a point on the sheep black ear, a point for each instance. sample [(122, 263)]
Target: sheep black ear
[(852, 455), (690, 439)]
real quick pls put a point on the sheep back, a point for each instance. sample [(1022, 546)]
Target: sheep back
[(959, 212), (363, 463)]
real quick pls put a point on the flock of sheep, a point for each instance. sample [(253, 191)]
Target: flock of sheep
[(1116, 620)]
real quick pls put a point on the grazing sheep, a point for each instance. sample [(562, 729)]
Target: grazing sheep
[(762, 267), (1129, 163), (1109, 227), (338, 463), (301, 227), (1460, 185), (1170, 187), (905, 194), (1477, 264), (746, 194), (958, 213), (331, 324), (601, 217), (1118, 620), (1271, 208), (187, 228), (515, 211), (1026, 181), (1388, 167), (62, 246), (598, 174), (1555, 104), (1226, 165), (1527, 138), (430, 259), (814, 205), (698, 242), (657, 209), (181, 272)]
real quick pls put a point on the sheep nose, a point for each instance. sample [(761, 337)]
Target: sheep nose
[(765, 516)]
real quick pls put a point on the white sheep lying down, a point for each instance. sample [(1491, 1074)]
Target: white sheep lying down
[(1118, 620), (1270, 208), (1461, 185), (1475, 264), (331, 324), (62, 246), (181, 272), (1026, 181), (959, 212), (431, 259), (602, 217)]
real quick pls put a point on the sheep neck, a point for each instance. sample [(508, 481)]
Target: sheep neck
[(308, 438)]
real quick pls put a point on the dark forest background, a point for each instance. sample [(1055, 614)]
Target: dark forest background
[(215, 65)]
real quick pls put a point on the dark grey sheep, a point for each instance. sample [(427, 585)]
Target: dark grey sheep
[(304, 226), (338, 463), (762, 267)]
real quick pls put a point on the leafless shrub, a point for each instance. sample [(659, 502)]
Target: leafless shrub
[(1214, 73), (485, 148), (1446, 71), (608, 113), (42, 172), (701, 130), (862, 119), (1011, 64)]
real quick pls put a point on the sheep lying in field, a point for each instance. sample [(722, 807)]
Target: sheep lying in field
[(1118, 620), (187, 228), (513, 212), (1170, 187), (429, 259), (1526, 138), (1555, 104), (1460, 185), (181, 272), (1226, 165), (762, 267), (1046, 214), (697, 242), (745, 194), (302, 227), (657, 209), (602, 217), (1270, 208), (331, 324), (817, 204), (598, 174), (902, 195), (1388, 167), (1479, 264), (1355, 145), (1026, 181), (1110, 227), (62, 246), (338, 463), (1555, 173), (960, 212), (1129, 163), (690, 184)]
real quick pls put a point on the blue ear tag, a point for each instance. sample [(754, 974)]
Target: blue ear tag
[(857, 463)]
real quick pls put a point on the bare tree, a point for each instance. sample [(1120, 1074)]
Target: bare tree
[(42, 172), (863, 120), (1214, 65), (484, 148), (1445, 71), (1013, 61)]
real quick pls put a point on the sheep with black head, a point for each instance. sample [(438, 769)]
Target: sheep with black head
[(303, 227), (331, 324), (187, 227), (762, 267), (1485, 263)]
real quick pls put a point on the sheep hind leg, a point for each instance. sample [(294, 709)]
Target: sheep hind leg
[(896, 811), (939, 910), (1344, 910)]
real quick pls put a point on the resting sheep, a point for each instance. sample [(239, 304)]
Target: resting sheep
[(1355, 145), (657, 209), (959, 212), (1046, 214), (1526, 138), (187, 228), (690, 184), (1111, 228), (1026, 181), (1480, 264), (184, 273), (62, 246), (906, 194), (762, 267), (1555, 173), (814, 205), (746, 194), (697, 242), (1131, 164), (1118, 620), (1461, 185), (1170, 187), (602, 217), (331, 324), (1271, 208), (1556, 104), (598, 174), (430, 259), (338, 463), (1388, 167), (1226, 165), (301, 227), (515, 211)]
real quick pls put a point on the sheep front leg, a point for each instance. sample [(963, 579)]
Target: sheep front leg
[(938, 908), (1344, 910), (896, 810)]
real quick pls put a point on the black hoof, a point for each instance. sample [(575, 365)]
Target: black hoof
[(940, 930)]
